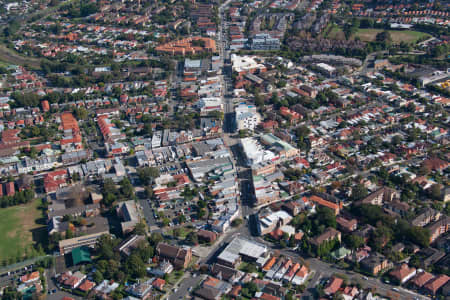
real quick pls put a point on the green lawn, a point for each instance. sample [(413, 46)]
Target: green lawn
[(183, 232), (19, 229)]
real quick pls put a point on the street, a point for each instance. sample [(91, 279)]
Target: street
[(188, 282)]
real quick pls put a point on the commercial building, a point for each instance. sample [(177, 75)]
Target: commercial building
[(246, 64), (264, 41), (66, 246), (129, 214), (209, 104), (247, 118), (239, 249), (268, 223)]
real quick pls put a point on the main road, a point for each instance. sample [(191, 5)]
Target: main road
[(226, 76)]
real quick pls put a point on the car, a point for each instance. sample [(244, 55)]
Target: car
[(190, 288), (395, 289), (365, 278)]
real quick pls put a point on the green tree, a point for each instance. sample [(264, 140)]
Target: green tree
[(98, 277), (69, 233), (135, 266), (354, 241), (380, 237), (192, 238), (384, 36), (326, 217), (81, 113), (435, 191), (156, 238), (419, 236), (126, 188), (237, 222), (165, 221), (359, 192), (140, 228), (105, 247), (181, 219), (147, 174)]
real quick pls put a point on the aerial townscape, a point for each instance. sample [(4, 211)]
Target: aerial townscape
[(224, 149)]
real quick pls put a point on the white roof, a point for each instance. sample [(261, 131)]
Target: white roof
[(240, 246)]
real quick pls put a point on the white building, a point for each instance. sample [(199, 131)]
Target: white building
[(156, 139), (245, 64), (210, 104), (247, 117), (255, 152), (326, 68)]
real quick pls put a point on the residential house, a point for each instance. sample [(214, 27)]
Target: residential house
[(333, 286), (292, 207), (435, 164), (300, 276), (328, 235), (350, 292), (436, 283), (10, 189), (213, 289), (71, 280), (225, 273), (397, 207), (291, 272), (420, 279), (438, 228), (141, 290), (336, 207), (159, 284), (105, 288), (375, 263), (347, 225), (426, 217), (359, 254), (383, 195), (30, 277), (402, 273), (55, 180), (86, 286)]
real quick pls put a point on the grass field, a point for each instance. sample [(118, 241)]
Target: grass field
[(367, 35), (398, 36), (19, 229), (4, 64)]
